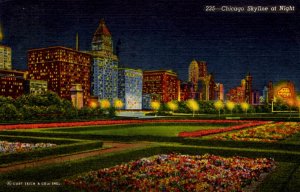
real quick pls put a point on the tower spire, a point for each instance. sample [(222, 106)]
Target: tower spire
[(77, 42)]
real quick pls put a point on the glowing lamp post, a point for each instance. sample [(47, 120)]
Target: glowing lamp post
[(104, 104), (230, 106), (219, 105), (118, 104), (245, 107), (192, 105), (155, 105), (172, 106)]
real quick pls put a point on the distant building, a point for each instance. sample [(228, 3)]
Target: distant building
[(248, 89), (255, 97), (242, 93), (130, 88), (197, 73), (5, 54), (5, 57), (105, 65), (270, 92), (61, 67), (219, 91), (187, 91), (35, 86), (162, 82), (12, 83)]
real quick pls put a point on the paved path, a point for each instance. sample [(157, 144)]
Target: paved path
[(114, 147)]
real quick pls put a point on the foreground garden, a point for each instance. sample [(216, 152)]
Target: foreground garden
[(177, 155)]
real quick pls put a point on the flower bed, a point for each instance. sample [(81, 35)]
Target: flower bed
[(12, 147), (109, 122), (264, 133), (176, 173), (220, 130)]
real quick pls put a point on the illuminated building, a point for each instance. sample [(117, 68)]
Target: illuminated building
[(5, 57), (270, 92), (61, 67), (105, 65), (12, 83), (77, 96), (219, 91), (255, 97), (5, 54), (248, 89), (164, 83), (130, 88), (242, 93), (204, 85), (187, 91), (211, 88), (197, 72), (35, 86)]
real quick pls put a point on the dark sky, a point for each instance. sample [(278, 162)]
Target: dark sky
[(165, 34)]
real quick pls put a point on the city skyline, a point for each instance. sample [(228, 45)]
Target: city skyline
[(164, 35)]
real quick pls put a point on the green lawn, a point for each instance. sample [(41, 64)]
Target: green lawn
[(159, 129)]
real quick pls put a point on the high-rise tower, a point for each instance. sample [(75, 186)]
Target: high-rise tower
[(248, 89), (5, 53), (105, 64)]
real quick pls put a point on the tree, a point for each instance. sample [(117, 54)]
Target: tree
[(230, 106), (192, 105), (9, 112), (219, 105)]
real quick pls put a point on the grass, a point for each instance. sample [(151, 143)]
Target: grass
[(279, 179), (287, 153), (154, 130)]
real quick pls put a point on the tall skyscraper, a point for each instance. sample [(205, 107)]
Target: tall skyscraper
[(5, 53), (130, 88), (105, 64), (197, 73), (248, 89), (63, 68)]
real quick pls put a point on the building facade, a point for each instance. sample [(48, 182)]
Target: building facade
[(219, 94), (12, 83), (61, 67), (105, 65), (164, 83), (5, 57), (35, 86), (242, 93), (130, 84)]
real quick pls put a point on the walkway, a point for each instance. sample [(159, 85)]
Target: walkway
[(113, 147)]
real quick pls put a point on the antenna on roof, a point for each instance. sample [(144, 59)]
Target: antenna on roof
[(77, 42)]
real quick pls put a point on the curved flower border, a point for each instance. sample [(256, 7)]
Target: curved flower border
[(176, 172), (220, 130), (110, 122)]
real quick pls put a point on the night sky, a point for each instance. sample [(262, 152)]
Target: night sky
[(165, 34)]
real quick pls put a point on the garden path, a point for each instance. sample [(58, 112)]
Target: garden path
[(112, 147)]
